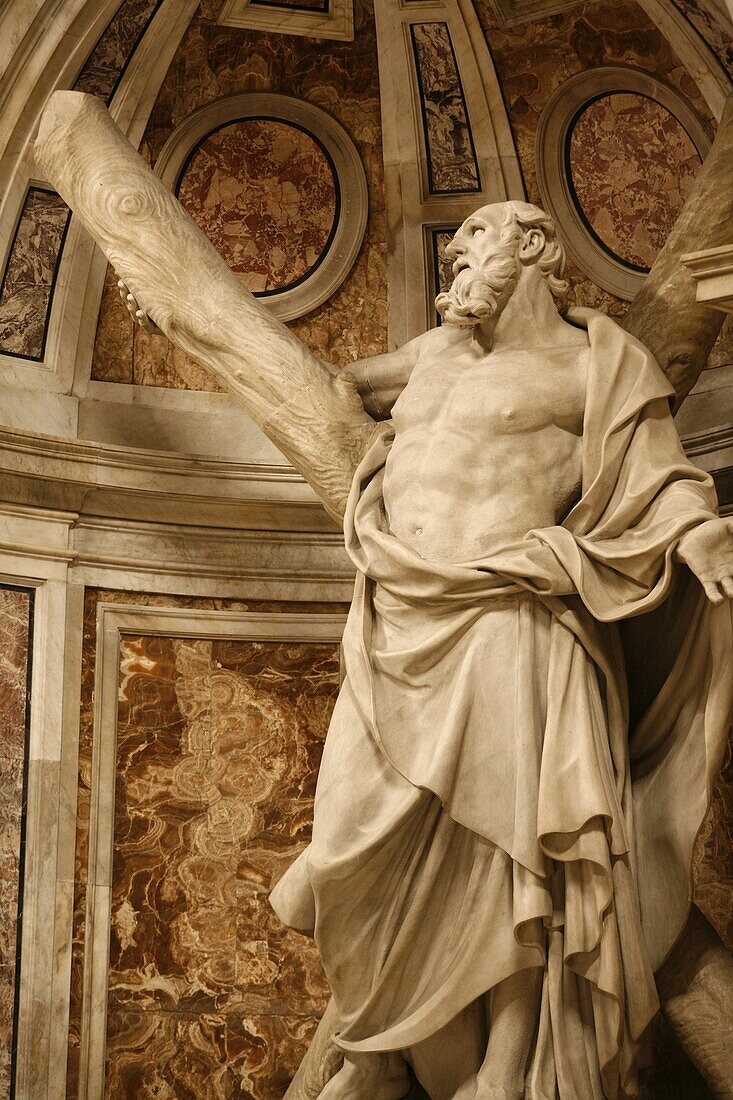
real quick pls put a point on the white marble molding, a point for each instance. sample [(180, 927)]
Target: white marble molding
[(553, 133), (338, 261), (712, 268), (411, 209)]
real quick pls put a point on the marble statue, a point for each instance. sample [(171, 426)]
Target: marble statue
[(538, 653)]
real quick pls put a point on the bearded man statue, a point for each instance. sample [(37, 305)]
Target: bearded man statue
[(537, 695)]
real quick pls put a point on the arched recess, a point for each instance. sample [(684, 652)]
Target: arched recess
[(432, 185), (49, 59), (351, 206)]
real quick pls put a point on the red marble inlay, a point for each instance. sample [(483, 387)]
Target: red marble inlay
[(264, 193), (15, 612), (533, 59), (632, 166), (340, 77)]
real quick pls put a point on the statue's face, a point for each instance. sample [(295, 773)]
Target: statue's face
[(485, 268), (477, 241)]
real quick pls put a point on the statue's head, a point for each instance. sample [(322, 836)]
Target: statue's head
[(490, 251)]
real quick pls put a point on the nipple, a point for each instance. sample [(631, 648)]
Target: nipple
[(508, 414)]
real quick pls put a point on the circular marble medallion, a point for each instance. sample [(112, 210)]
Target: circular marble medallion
[(631, 166), (265, 192)]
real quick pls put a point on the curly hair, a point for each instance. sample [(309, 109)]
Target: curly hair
[(521, 219)]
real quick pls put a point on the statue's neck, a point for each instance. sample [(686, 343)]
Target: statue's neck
[(528, 319)]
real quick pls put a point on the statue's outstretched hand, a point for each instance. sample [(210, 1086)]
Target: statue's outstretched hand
[(708, 551), (138, 315)]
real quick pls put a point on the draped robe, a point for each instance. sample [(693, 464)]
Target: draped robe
[(521, 756)]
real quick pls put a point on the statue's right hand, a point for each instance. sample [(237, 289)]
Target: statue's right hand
[(138, 315)]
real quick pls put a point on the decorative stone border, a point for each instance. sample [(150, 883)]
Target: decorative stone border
[(335, 21), (555, 186), (337, 262), (113, 620)]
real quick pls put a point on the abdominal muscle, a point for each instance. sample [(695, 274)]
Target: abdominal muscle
[(457, 499)]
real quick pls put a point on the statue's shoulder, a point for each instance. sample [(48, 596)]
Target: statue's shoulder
[(442, 336)]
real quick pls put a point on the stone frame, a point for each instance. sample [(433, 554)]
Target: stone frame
[(555, 186), (335, 23), (113, 620), (351, 218)]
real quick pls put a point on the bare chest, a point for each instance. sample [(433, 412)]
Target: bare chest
[(499, 394)]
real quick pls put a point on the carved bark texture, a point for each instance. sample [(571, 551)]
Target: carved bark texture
[(315, 417), (665, 315)]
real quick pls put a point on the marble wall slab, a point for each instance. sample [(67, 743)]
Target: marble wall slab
[(219, 746), (632, 167), (708, 27), (26, 295), (341, 78), (16, 612), (533, 59), (218, 750), (30, 274), (104, 68), (451, 156), (266, 194)]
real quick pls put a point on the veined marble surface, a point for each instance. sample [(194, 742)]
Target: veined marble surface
[(218, 746), (265, 194), (15, 612), (340, 77), (632, 166)]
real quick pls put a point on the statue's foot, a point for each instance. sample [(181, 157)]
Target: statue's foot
[(369, 1077)]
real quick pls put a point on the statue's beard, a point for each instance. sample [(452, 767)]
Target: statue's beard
[(475, 294)]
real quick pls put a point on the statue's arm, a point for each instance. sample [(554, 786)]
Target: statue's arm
[(176, 277), (381, 379)]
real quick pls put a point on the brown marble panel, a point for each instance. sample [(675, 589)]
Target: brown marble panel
[(340, 77), (30, 274), (632, 167), (265, 194), (220, 743), (15, 632), (708, 27), (533, 59), (107, 62), (452, 164), (171, 1056), (218, 750)]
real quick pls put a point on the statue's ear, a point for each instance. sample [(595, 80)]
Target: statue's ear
[(532, 246)]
